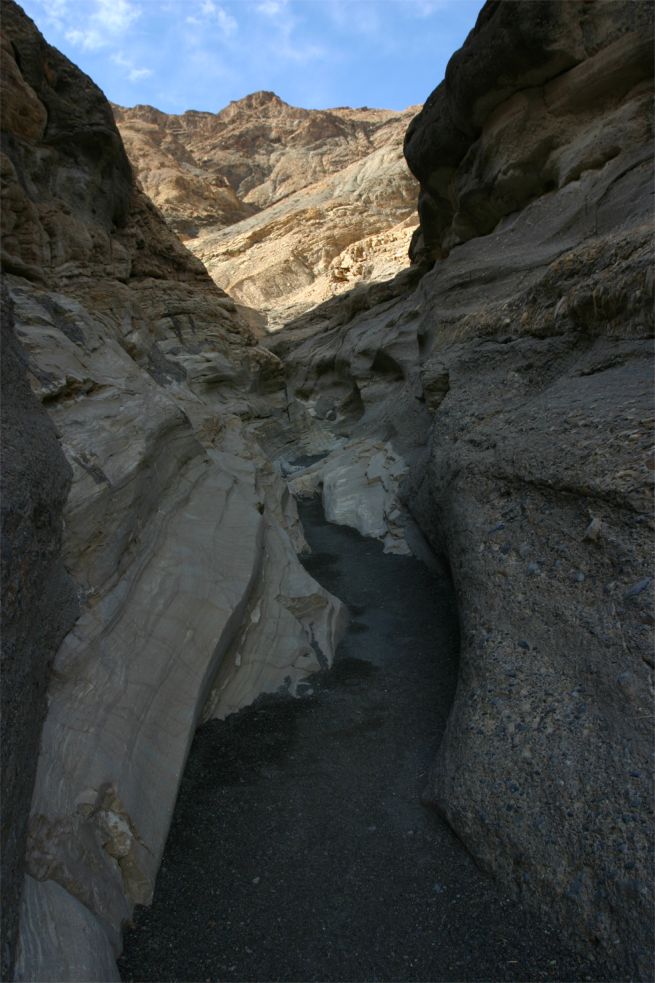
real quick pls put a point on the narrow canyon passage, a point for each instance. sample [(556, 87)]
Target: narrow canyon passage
[(300, 850)]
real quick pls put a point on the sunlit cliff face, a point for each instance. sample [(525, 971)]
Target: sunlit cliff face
[(286, 207)]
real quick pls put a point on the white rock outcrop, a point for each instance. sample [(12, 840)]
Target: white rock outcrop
[(359, 486), (213, 586)]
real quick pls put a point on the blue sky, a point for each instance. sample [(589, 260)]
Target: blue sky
[(201, 54)]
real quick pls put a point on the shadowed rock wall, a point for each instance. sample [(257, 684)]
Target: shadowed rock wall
[(39, 604), (474, 146), (516, 381)]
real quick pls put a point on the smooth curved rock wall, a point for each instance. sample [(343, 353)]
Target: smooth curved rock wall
[(39, 603), (153, 381)]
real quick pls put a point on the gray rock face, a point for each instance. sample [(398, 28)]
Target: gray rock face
[(39, 603), (543, 770), (359, 486), (515, 379), (474, 147)]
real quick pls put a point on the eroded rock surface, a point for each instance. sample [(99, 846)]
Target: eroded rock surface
[(516, 382), (513, 382), (581, 70), (285, 206), (359, 486), (39, 604), (151, 377)]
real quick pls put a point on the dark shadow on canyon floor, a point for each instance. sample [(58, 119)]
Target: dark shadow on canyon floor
[(299, 849)]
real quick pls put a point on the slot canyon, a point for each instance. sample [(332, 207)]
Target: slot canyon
[(327, 523)]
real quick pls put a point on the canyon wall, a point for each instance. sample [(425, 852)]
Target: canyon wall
[(285, 206), (515, 381), (39, 604), (140, 520), (499, 389)]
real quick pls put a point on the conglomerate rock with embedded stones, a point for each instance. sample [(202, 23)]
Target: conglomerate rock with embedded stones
[(150, 376), (516, 381)]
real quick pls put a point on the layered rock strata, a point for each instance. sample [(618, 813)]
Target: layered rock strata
[(474, 146), (285, 206), (516, 382), (150, 377)]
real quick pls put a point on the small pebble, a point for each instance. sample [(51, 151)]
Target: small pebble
[(637, 588), (592, 532), (256, 880), (524, 645)]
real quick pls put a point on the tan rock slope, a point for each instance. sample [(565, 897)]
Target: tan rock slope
[(286, 207), (516, 382), (164, 511)]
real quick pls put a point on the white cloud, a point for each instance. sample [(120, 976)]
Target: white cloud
[(358, 18), (226, 22), (116, 16), (271, 7), (55, 12), (300, 52), (213, 14), (139, 73), (282, 39), (105, 21), (425, 8), (134, 74), (90, 38)]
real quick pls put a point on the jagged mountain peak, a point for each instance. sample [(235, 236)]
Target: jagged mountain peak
[(262, 161), (258, 99)]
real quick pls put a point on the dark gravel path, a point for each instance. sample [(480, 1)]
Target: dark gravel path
[(299, 848)]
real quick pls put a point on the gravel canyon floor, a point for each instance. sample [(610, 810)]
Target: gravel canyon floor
[(300, 849)]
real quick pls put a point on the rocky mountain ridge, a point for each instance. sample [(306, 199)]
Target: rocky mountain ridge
[(285, 206)]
